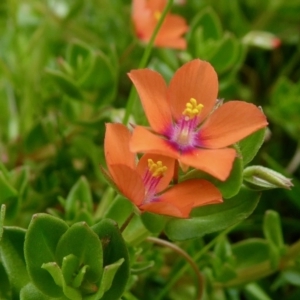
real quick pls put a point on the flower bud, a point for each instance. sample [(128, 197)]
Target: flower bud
[(261, 178), (262, 39)]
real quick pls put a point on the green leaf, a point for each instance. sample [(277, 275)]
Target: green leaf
[(250, 252), (79, 198), (226, 273), (250, 145), (6, 189), (83, 243), (55, 271), (19, 178), (65, 84), (142, 266), (12, 256), (272, 229), (210, 23), (226, 55), (5, 288), (107, 280), (256, 292), (211, 218), (78, 280), (100, 76), (30, 292), (2, 217), (292, 276), (43, 233), (70, 265), (153, 222), (114, 249), (119, 215)]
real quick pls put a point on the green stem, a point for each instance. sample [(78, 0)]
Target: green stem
[(127, 221), (263, 269), (200, 281), (144, 60), (175, 277)]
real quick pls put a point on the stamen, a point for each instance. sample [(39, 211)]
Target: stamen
[(192, 109), (157, 15), (157, 169)]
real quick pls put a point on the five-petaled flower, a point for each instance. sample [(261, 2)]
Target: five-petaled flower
[(146, 183), (145, 15), (186, 122)]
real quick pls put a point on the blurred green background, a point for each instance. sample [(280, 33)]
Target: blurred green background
[(63, 68)]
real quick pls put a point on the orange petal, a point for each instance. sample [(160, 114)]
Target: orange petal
[(175, 43), (167, 209), (171, 31), (129, 183), (169, 162), (230, 123), (143, 19), (216, 162), (173, 26), (196, 79), (157, 5), (152, 90), (116, 146), (192, 193), (143, 140), (179, 200)]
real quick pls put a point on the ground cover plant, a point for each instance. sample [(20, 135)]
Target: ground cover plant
[(149, 150)]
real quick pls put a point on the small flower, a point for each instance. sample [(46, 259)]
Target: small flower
[(145, 15), (145, 183), (187, 121)]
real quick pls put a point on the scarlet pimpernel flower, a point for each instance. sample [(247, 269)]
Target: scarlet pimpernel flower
[(145, 15), (146, 183), (186, 122)]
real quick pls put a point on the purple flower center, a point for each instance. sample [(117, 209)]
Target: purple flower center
[(183, 135)]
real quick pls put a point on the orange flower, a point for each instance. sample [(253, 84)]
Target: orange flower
[(145, 15), (143, 183), (187, 123)]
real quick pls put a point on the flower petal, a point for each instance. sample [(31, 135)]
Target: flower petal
[(129, 183), (152, 90), (171, 31), (179, 200), (173, 27), (143, 20), (169, 162), (216, 162), (230, 123), (196, 79), (116, 146), (142, 140), (167, 209), (175, 43), (193, 192), (157, 5)]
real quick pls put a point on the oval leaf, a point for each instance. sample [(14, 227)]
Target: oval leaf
[(83, 243), (41, 240), (114, 249), (12, 256)]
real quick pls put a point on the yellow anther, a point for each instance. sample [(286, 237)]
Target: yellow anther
[(157, 15), (192, 108), (157, 169)]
